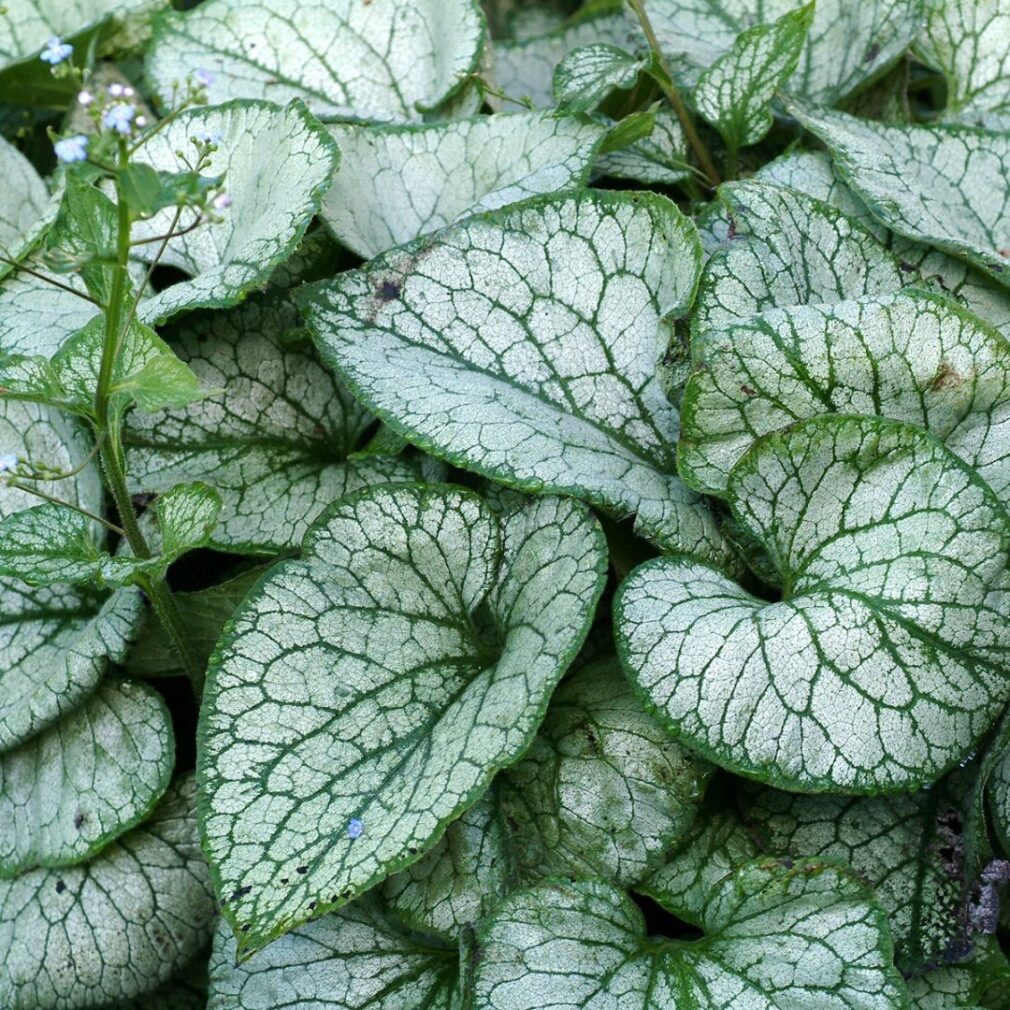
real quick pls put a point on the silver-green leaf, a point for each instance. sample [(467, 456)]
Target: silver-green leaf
[(354, 959), (115, 927), (883, 662), (588, 74), (277, 163), (735, 93), (397, 183), (365, 695), (278, 444), (941, 185), (776, 936), (526, 345), (72, 788), (385, 60)]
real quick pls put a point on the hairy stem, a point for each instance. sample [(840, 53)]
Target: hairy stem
[(108, 421), (665, 81)]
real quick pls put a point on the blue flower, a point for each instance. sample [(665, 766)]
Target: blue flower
[(56, 51), (10, 462), (72, 148), (354, 828), (205, 77), (119, 117)]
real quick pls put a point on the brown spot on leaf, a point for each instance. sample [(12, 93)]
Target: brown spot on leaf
[(947, 377), (747, 390)]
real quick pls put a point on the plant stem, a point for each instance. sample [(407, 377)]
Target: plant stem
[(665, 81), (107, 425)]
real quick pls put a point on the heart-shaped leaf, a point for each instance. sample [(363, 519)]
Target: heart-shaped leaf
[(355, 959), (588, 74), (883, 662), (56, 641), (397, 183), (659, 158), (603, 791), (735, 93), (526, 345), (848, 45), (524, 67), (969, 42), (905, 846), (388, 60), (278, 444), (913, 357), (785, 248), (940, 185), (277, 164), (365, 695), (775, 936), (115, 927), (70, 789)]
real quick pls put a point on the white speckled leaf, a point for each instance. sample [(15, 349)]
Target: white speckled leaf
[(365, 695), (277, 164), (785, 248), (461, 879), (735, 93), (56, 641), (604, 791), (969, 42), (849, 43), (526, 345), (717, 843), (904, 846), (943, 186), (588, 74), (115, 927), (355, 959), (72, 788), (24, 199), (775, 937), (385, 60), (913, 357), (397, 183), (524, 67), (981, 980), (35, 317), (277, 444), (659, 158), (881, 665)]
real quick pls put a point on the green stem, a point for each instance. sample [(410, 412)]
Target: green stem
[(732, 166), (108, 423), (665, 80)]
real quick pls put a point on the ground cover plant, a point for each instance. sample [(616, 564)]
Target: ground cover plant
[(504, 506)]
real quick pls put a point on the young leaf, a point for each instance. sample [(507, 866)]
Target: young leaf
[(914, 357), (397, 183), (787, 249), (356, 959), (775, 936), (57, 641), (146, 371), (905, 846), (125, 922), (187, 515), (849, 44), (461, 879), (524, 68), (588, 74), (735, 93), (346, 60), (882, 664), (278, 444), (385, 677), (940, 185), (659, 158), (603, 791), (277, 163), (71, 789), (526, 345), (969, 42)]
